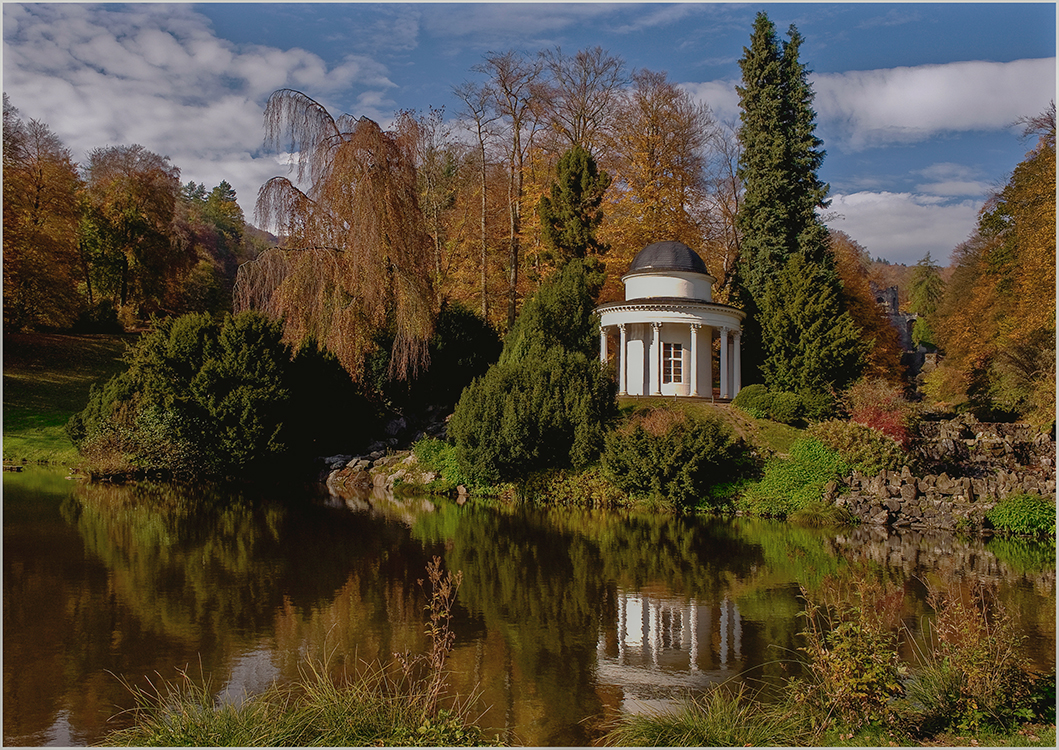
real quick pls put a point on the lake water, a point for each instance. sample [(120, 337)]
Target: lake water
[(564, 619)]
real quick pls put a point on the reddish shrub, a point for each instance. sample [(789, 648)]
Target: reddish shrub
[(881, 406)]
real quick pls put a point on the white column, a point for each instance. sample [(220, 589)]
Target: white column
[(656, 359), (709, 364), (603, 345), (737, 366), (724, 363), (622, 390), (695, 359)]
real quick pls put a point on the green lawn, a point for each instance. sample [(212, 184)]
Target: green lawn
[(47, 378)]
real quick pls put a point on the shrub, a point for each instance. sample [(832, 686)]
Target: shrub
[(662, 452), (860, 447), (546, 402), (787, 407), (201, 397), (755, 400), (818, 405), (851, 643), (327, 409), (548, 411), (437, 455), (561, 313), (974, 674), (462, 348), (882, 406), (1024, 514), (790, 484)]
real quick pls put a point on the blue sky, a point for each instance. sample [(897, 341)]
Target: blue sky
[(915, 101)]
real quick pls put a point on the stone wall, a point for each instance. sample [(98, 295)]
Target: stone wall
[(966, 467)]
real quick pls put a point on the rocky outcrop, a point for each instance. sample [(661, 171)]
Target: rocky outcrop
[(972, 466), (375, 470)]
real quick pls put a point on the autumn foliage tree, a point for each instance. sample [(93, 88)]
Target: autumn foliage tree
[(128, 231), (357, 259), (41, 261), (996, 322), (883, 357)]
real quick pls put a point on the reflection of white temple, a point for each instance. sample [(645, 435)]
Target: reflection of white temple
[(660, 645)]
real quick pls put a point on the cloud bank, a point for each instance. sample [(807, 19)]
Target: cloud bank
[(877, 108), (158, 76), (899, 105)]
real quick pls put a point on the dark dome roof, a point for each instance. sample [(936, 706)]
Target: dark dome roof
[(668, 256)]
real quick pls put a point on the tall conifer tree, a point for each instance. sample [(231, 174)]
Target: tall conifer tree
[(571, 215), (781, 232)]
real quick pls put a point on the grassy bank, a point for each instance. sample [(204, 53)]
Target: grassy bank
[(47, 378), (762, 433), (368, 710)]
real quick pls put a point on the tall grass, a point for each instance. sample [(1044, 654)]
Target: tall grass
[(382, 705), (725, 716)]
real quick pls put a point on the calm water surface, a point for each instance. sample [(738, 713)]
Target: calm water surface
[(564, 619)]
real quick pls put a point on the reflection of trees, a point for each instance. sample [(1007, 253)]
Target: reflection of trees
[(215, 571), (547, 579)]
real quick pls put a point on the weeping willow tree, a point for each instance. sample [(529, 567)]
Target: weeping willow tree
[(355, 263)]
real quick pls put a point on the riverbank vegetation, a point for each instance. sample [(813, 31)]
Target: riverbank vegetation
[(966, 683), (396, 704)]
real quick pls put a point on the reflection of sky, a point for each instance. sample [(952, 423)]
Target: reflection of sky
[(252, 673), (660, 647)]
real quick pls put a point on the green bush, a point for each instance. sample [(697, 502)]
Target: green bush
[(547, 401), (1024, 514), (790, 484), (850, 639), (437, 455), (755, 400), (549, 411), (202, 397), (663, 453), (787, 408), (561, 314), (462, 348), (860, 447), (818, 405)]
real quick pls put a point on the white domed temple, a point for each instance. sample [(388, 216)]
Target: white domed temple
[(665, 329)]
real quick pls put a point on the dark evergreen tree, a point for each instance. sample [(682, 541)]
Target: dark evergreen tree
[(546, 402), (811, 344), (571, 215), (784, 243)]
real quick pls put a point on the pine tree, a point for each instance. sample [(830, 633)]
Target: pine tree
[(811, 343), (782, 236), (571, 215)]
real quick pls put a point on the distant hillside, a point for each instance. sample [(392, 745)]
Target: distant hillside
[(260, 236)]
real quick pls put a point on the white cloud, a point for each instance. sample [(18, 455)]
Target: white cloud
[(953, 180), (721, 96), (158, 76), (865, 109), (903, 227), (901, 105)]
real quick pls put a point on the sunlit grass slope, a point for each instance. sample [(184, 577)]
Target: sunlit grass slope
[(47, 378)]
